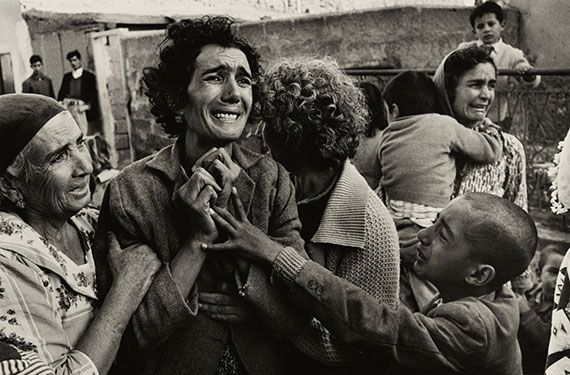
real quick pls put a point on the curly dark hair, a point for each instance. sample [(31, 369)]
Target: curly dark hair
[(166, 84), (461, 61), (313, 112)]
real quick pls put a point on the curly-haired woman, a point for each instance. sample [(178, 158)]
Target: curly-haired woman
[(314, 115)]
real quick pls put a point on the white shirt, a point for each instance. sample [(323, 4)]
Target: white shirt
[(77, 73)]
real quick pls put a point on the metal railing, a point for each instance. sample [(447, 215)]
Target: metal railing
[(539, 118), (374, 71)]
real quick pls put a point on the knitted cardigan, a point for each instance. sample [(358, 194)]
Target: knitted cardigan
[(358, 241)]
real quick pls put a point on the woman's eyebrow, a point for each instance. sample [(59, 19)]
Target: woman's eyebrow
[(226, 68), (215, 69), (56, 151), (242, 71)]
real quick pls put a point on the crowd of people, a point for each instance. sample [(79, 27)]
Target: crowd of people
[(382, 232)]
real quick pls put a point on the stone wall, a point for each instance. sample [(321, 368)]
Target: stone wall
[(545, 31), (140, 50), (394, 37)]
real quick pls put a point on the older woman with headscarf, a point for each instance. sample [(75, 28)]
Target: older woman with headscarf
[(48, 302)]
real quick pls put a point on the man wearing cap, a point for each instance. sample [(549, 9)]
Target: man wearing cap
[(47, 273)]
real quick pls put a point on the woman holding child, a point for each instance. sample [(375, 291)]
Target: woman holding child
[(466, 80)]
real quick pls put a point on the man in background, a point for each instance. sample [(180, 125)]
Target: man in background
[(79, 88), (38, 82)]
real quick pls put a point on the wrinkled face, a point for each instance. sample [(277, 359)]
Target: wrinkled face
[(443, 252), (59, 185), (549, 273), (474, 94), (488, 29), (219, 95), (37, 66), (75, 63)]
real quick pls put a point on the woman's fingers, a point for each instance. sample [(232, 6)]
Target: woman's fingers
[(225, 216), (201, 178), (238, 206), (204, 201), (218, 169), (226, 159), (221, 169), (204, 160), (222, 306), (195, 184), (219, 247), (222, 223)]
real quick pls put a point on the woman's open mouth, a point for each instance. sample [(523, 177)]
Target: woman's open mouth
[(226, 116)]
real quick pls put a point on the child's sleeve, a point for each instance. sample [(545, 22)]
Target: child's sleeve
[(484, 146), (439, 342), (519, 62)]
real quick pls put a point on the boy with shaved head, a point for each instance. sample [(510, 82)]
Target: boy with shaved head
[(478, 242)]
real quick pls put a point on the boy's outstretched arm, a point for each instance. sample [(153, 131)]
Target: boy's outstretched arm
[(453, 336)]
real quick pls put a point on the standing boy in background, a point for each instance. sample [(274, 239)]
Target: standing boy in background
[(38, 82), (488, 22)]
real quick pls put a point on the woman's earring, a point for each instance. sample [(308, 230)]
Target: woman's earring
[(20, 203)]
